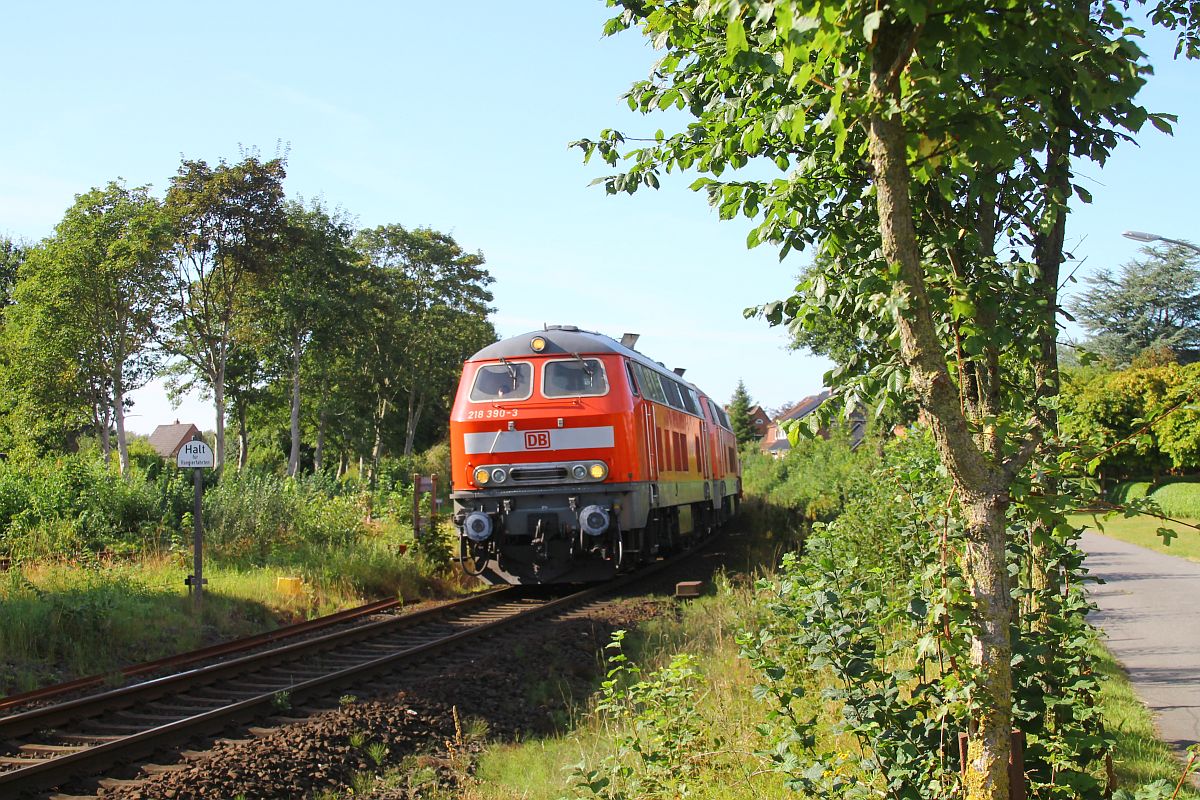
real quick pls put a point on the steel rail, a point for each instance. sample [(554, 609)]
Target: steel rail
[(47, 717), (201, 654), (56, 770)]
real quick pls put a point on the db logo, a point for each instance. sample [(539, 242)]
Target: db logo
[(537, 440)]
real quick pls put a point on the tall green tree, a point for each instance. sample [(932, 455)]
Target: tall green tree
[(306, 302), (229, 225), (739, 415), (12, 255), (422, 281), (90, 300), (914, 145), (1153, 302)]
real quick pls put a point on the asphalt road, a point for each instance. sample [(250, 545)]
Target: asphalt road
[(1148, 615)]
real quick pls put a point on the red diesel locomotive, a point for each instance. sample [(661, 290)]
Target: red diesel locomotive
[(575, 456)]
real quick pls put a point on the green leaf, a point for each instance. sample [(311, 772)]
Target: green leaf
[(871, 24), (735, 37)]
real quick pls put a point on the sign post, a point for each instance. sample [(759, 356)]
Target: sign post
[(196, 455)]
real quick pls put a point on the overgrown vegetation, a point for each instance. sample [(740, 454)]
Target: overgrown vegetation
[(96, 560), (856, 651)]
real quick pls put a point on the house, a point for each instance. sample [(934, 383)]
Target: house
[(775, 440), (167, 439), (760, 419)]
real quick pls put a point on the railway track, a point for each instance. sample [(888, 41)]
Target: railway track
[(54, 745), (11, 702)]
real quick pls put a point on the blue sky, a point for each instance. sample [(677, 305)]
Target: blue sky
[(457, 116)]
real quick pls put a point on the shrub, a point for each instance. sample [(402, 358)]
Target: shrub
[(1178, 499), (77, 503), (813, 479), (250, 516)]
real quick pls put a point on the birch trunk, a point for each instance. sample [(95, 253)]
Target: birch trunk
[(294, 454), (319, 449), (377, 447), (415, 409), (119, 416), (219, 407)]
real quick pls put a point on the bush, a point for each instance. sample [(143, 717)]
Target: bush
[(250, 516), (1178, 499), (813, 479), (77, 503)]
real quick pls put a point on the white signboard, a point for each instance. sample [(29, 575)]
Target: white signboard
[(195, 454)]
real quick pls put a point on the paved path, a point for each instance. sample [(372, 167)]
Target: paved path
[(1148, 613)]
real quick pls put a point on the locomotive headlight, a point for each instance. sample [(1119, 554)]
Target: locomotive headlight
[(498, 475), (537, 344), (477, 526), (599, 470), (482, 476), (579, 472), (593, 520)]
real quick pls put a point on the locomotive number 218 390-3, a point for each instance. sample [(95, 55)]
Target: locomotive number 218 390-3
[(491, 413)]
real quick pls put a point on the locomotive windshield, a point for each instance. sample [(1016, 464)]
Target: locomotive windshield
[(579, 377), (506, 381)]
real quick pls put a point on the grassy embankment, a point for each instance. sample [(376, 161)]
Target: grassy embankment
[(726, 755), (1179, 500), (698, 717), (98, 563)]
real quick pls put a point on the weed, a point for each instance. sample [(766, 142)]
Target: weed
[(378, 752), (281, 700), (347, 700)]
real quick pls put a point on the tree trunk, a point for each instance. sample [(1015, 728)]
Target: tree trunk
[(100, 414), (415, 408), (981, 488), (989, 742), (119, 415), (1048, 255), (319, 450), (243, 435), (377, 447), (294, 454), (219, 407)]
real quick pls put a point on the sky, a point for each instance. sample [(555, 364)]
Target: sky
[(458, 117)]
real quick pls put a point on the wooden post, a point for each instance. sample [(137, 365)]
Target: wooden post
[(416, 511), (1016, 767), (198, 540)]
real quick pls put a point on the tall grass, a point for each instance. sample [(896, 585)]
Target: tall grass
[(98, 559)]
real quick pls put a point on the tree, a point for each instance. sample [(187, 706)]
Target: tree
[(739, 415), (1154, 302), (229, 222), (89, 302), (421, 282), (12, 255), (307, 301), (914, 145)]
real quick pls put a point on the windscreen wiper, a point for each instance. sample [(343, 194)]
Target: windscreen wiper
[(512, 372), (587, 368)]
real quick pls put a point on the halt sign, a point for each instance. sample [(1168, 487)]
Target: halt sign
[(195, 454)]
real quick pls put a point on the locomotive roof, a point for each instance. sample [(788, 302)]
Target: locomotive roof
[(569, 340)]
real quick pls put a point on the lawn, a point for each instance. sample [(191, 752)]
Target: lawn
[(1143, 531)]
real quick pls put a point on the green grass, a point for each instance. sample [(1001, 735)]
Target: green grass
[(66, 619), (1176, 498), (1143, 531), (1139, 756)]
